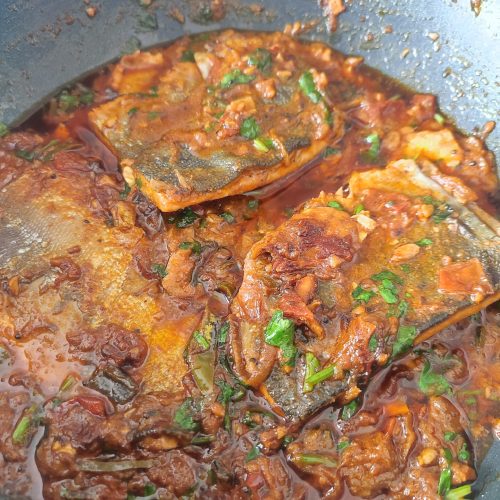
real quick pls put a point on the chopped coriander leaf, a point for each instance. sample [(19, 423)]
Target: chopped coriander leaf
[(321, 376), (187, 56), (403, 307), (388, 291), (308, 87), (184, 218), (444, 482), (450, 436), (253, 204), (132, 111), (261, 58), (463, 455), (358, 209), (149, 489), (147, 22), (286, 441), (202, 439), (441, 213), (224, 330), (25, 154), (228, 217), (86, 97), (424, 242), (349, 410), (263, 144), (312, 366), (448, 455), (279, 331), (342, 445), (20, 434), (194, 246), (362, 295), (335, 204), (184, 416), (68, 102), (153, 115), (253, 453), (405, 268), (235, 77), (159, 269), (373, 343), (387, 275), (202, 341), (313, 459), (138, 183), (439, 118), (459, 493), (328, 116), (372, 154), (404, 340), (249, 128), (432, 383), (4, 130), (226, 391), (329, 151)]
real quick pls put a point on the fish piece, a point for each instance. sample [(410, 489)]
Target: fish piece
[(221, 116), (305, 344)]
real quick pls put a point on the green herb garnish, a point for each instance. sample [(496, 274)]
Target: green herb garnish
[(404, 340), (321, 376), (358, 209), (424, 242), (459, 493), (4, 130), (249, 128), (335, 204), (224, 330), (349, 410), (387, 275), (25, 154), (308, 87), (362, 295), (312, 366), (372, 154), (159, 269), (313, 459), (187, 56), (147, 22), (463, 455), (263, 144), (444, 482), (184, 416), (439, 118), (261, 58), (21, 432), (403, 307), (280, 333), (202, 341), (125, 192), (194, 246), (373, 343), (253, 204), (432, 383), (253, 453), (388, 291), (235, 77), (228, 217), (184, 218), (329, 151), (449, 436)]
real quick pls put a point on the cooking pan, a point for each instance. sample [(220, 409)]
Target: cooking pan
[(445, 47)]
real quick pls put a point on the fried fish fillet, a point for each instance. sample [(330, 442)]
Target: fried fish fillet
[(211, 117), (352, 280)]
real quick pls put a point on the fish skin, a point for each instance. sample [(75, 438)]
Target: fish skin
[(461, 237), (162, 154)]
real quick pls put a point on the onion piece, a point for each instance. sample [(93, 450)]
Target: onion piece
[(91, 465)]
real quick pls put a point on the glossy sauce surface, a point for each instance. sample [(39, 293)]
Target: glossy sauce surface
[(101, 294)]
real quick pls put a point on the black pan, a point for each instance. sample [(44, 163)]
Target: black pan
[(437, 46)]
